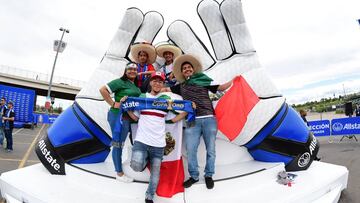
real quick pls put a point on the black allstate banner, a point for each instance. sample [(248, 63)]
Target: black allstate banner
[(49, 157)]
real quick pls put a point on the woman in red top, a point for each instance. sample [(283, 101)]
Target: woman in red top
[(143, 54)]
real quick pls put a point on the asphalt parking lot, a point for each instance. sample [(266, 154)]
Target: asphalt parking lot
[(346, 153)]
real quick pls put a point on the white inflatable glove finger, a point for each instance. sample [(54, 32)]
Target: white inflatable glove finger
[(153, 22), (213, 21), (235, 21), (184, 37), (129, 25)]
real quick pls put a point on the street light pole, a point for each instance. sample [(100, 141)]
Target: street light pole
[(344, 90), (58, 48), (57, 52)]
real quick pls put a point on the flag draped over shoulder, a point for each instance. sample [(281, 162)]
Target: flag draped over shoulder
[(199, 79), (233, 108)]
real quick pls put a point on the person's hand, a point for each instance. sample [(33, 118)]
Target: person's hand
[(123, 99), (234, 56), (117, 105)]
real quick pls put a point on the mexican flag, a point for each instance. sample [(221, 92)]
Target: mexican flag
[(172, 170), (233, 108)]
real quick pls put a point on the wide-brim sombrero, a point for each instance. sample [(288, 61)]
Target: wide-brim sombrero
[(185, 58), (145, 47), (161, 49)]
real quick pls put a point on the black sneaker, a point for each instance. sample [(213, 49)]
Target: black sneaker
[(189, 182), (149, 201), (209, 182)]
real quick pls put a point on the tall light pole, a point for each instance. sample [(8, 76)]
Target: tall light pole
[(58, 49)]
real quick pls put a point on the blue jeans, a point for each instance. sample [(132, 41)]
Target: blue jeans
[(207, 127), (2, 134), (141, 154), (9, 138), (118, 138)]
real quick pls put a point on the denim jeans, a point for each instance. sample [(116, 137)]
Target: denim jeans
[(118, 138), (141, 154), (207, 127), (9, 138), (2, 134)]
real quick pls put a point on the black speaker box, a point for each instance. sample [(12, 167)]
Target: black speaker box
[(349, 109)]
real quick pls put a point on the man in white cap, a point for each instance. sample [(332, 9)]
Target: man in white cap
[(150, 141), (169, 52), (195, 86), (144, 55)]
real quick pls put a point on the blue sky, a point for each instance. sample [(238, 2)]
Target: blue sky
[(311, 49)]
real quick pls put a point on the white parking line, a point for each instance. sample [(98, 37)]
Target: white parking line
[(27, 154), (19, 130)]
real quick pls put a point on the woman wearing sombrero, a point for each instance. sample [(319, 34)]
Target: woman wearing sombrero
[(144, 55), (194, 86), (169, 52)]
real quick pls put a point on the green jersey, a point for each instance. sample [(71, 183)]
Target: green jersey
[(122, 88)]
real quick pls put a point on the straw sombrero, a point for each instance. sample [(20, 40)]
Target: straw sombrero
[(161, 49), (145, 47), (185, 58)]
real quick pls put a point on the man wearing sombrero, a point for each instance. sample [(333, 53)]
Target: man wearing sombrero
[(144, 55), (194, 86), (169, 52)]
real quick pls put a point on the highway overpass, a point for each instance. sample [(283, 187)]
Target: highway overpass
[(61, 90)]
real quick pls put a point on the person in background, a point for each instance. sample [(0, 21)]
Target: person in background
[(303, 115), (144, 55), (150, 136), (195, 86), (9, 118), (2, 112), (169, 52), (124, 86), (357, 110)]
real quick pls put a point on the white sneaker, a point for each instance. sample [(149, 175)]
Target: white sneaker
[(124, 178)]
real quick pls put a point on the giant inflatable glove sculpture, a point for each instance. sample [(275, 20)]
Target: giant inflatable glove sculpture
[(253, 113)]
